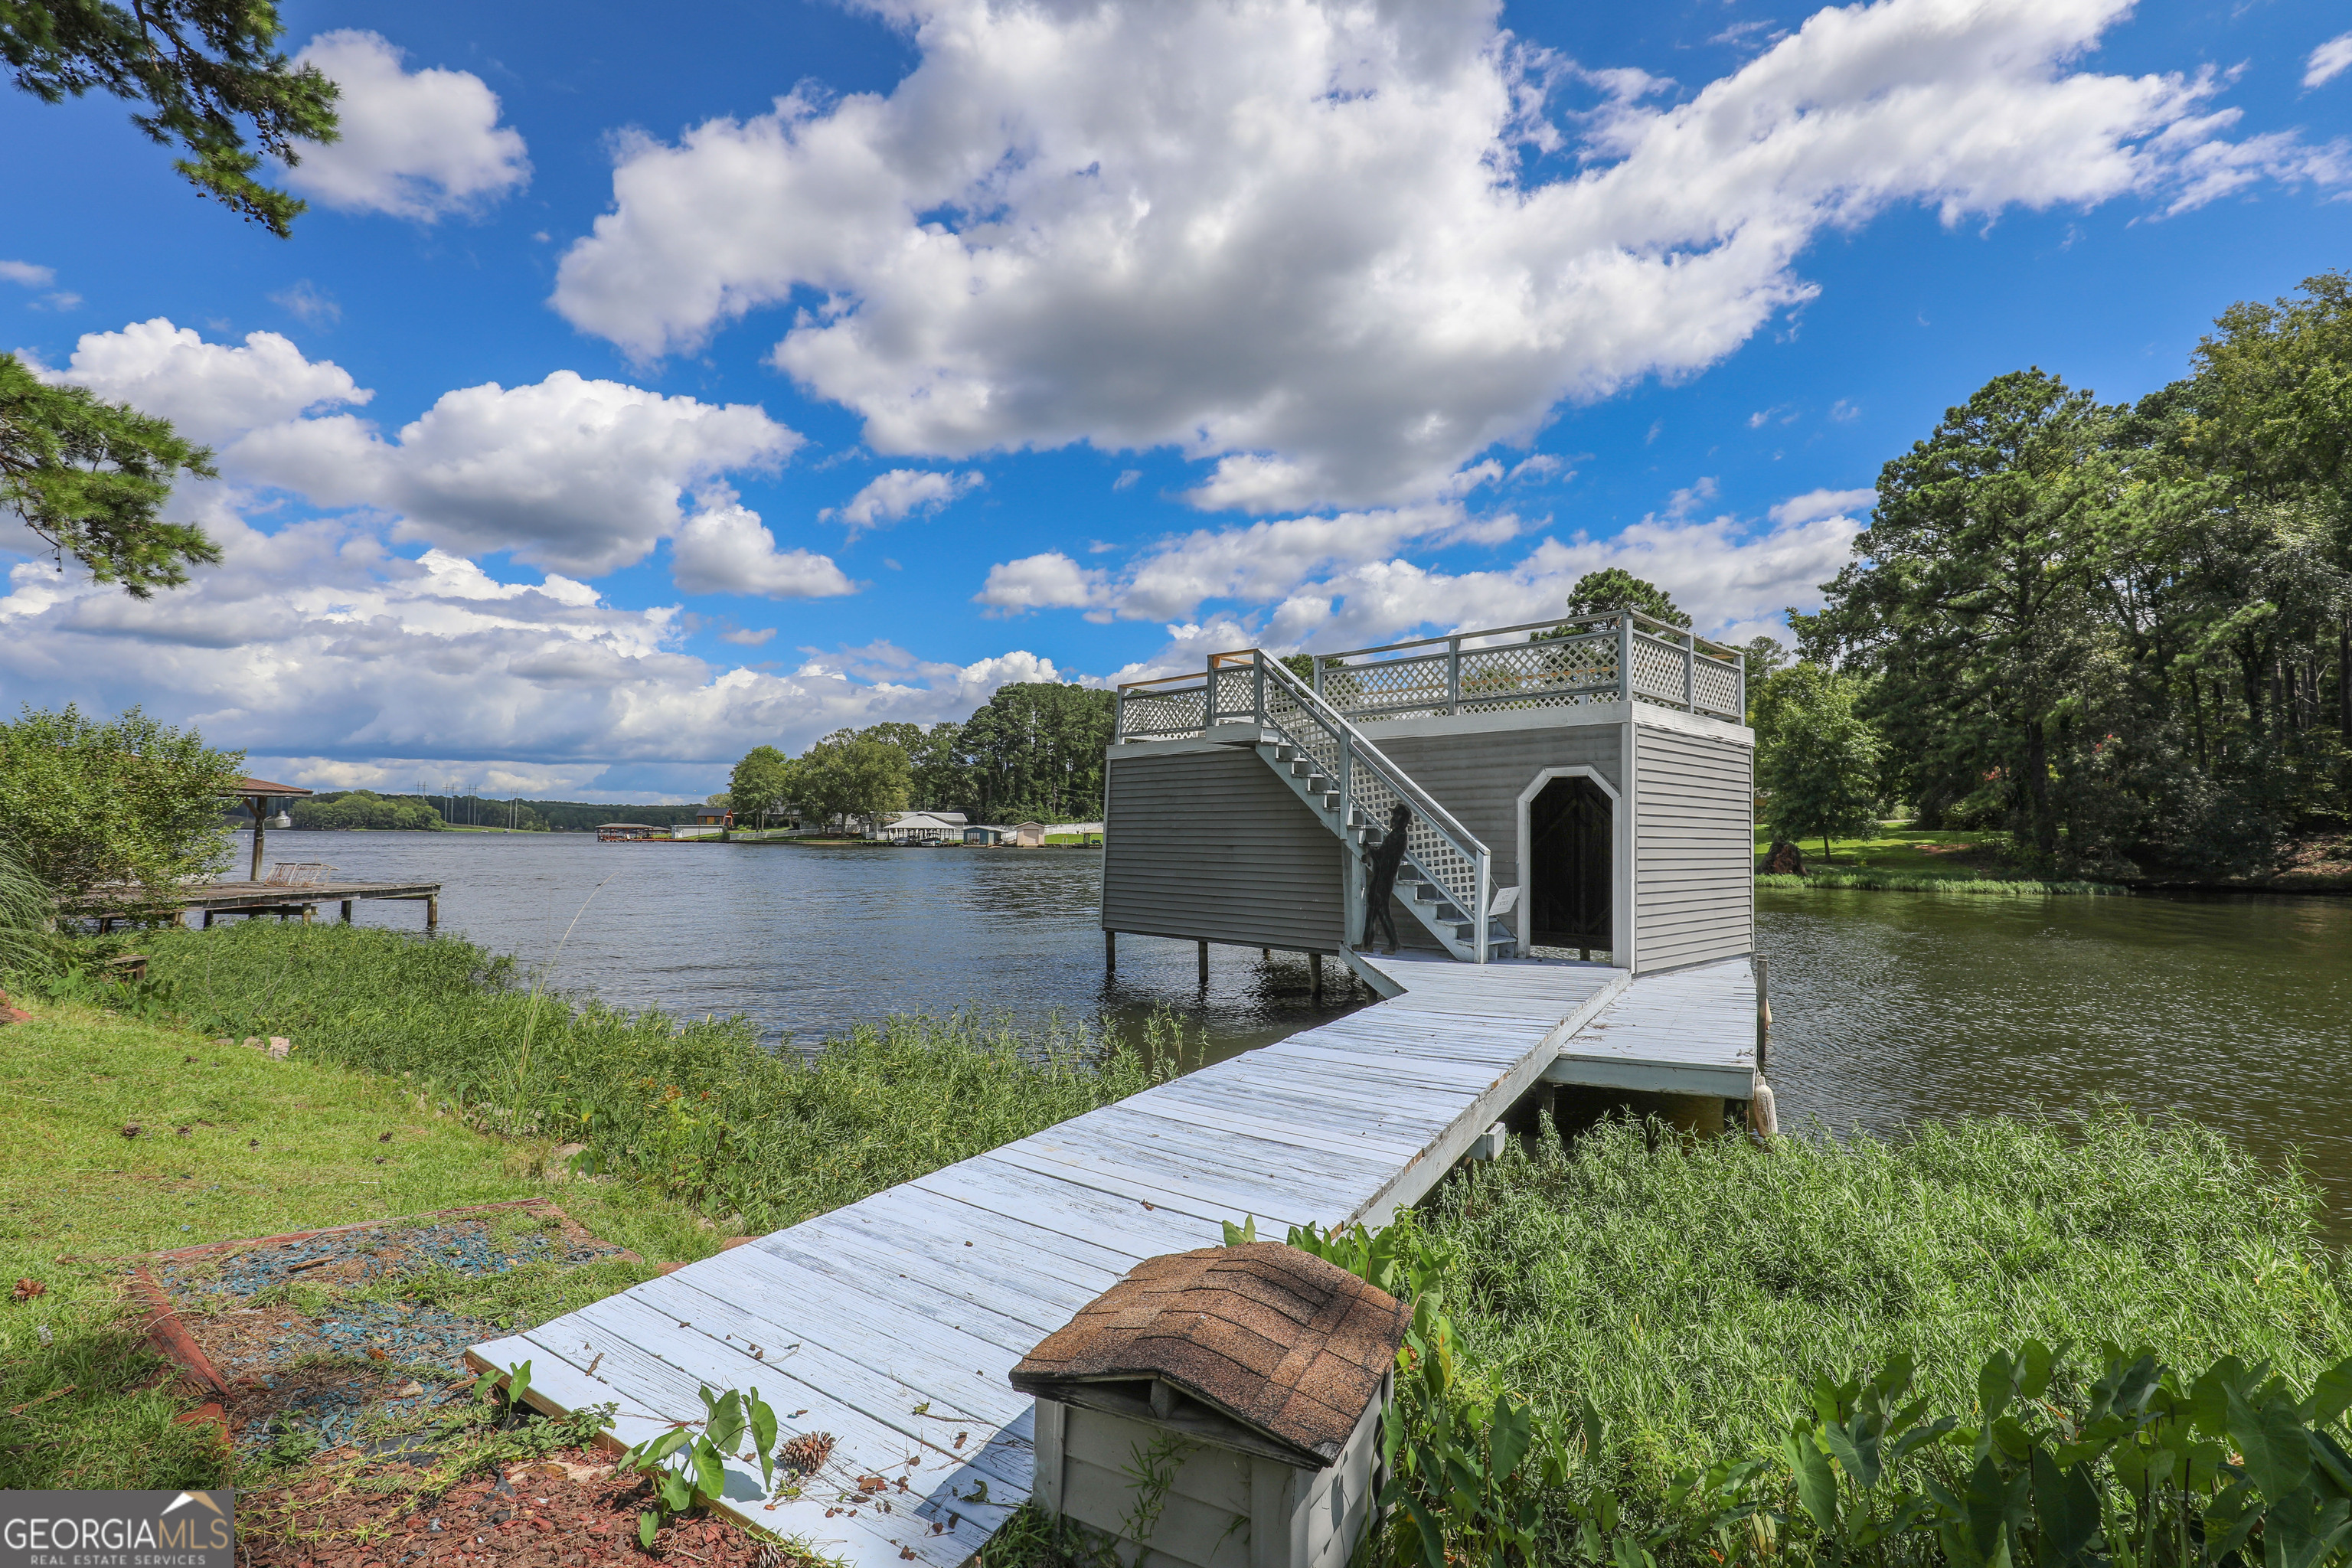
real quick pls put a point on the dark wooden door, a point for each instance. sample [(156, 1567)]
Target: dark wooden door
[(1567, 866)]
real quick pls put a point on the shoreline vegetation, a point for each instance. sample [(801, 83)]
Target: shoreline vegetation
[(1668, 1304), (1900, 858)]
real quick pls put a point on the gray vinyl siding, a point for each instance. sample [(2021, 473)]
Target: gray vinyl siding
[(1211, 845), (1479, 777), (1695, 853)]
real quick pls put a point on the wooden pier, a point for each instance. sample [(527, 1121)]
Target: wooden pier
[(253, 899), (892, 1324)]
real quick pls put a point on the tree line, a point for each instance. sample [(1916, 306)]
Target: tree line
[(2119, 633), (1034, 752)]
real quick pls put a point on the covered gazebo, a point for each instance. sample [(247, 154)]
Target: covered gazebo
[(261, 797)]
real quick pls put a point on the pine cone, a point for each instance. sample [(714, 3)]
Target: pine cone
[(805, 1454)]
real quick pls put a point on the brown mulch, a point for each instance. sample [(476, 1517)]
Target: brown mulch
[(566, 1510)]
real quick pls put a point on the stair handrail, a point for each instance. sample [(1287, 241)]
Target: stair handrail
[(1355, 749)]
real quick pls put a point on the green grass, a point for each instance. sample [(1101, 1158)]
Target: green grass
[(1900, 860), (697, 1109), (271, 1146), (1693, 1291), (1897, 848)]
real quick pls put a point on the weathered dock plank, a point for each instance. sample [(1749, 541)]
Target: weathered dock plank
[(892, 1322)]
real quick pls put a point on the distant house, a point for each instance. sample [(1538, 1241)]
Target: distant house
[(913, 826), (1020, 835), (713, 816)]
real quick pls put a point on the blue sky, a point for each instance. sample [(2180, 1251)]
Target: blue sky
[(1075, 342)]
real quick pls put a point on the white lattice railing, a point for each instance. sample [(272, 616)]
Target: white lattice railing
[(1545, 664)]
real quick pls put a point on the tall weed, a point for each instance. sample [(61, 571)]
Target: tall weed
[(1693, 1293)]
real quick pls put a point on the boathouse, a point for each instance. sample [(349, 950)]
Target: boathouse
[(1581, 788)]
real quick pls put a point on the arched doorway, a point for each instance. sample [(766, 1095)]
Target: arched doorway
[(1568, 874)]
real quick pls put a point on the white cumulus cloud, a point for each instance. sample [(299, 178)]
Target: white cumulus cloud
[(901, 492), (1814, 504), (1048, 582), (725, 549), (210, 392), (417, 144), (1311, 221), (318, 645), (581, 476)]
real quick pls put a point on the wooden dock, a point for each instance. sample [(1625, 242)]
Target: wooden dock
[(891, 1323), (253, 900)]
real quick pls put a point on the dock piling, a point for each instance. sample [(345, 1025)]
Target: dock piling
[(1111, 952), (1204, 963), (1314, 978), (347, 911), (432, 913)]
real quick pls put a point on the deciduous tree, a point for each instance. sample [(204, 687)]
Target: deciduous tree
[(1816, 757), (128, 804)]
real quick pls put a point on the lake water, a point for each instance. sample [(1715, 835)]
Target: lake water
[(1888, 1007), (808, 943)]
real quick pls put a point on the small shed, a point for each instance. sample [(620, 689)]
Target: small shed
[(1249, 1379), (714, 817)]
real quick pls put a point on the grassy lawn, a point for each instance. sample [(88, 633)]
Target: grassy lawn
[(229, 1144), (1898, 847)]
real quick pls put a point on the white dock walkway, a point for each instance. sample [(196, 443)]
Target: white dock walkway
[(892, 1324)]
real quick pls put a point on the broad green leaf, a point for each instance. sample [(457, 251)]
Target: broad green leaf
[(1859, 1455), (2302, 1528), (2271, 1439), (1994, 1381), (2033, 1363), (646, 1524), (2066, 1512), (764, 1426), (1816, 1482), (677, 1492), (1433, 1541), (1995, 1507), (1512, 1432), (2331, 1395), (711, 1474)]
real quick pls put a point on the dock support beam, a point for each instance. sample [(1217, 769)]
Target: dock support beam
[(1204, 963), (208, 920), (347, 911), (1314, 978), (431, 914), (310, 912), (1111, 952)]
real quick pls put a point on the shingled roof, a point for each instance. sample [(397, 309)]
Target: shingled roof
[(1289, 1347)]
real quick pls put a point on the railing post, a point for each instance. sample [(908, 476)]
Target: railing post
[(1739, 698), (1690, 674), (1315, 673), (1453, 675), (1485, 898), (1351, 864), (1257, 689), (1624, 657)]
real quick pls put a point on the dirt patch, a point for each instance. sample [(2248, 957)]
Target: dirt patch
[(566, 1509), (357, 1336)]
